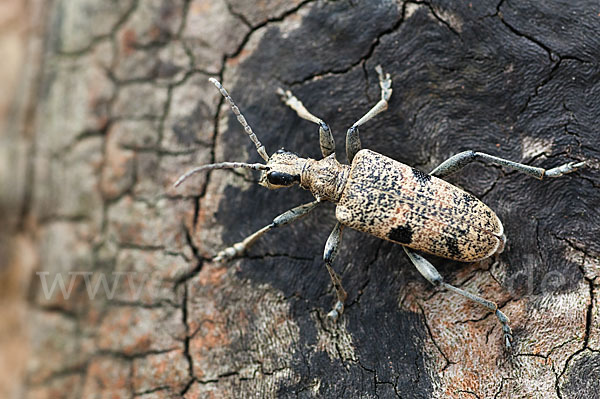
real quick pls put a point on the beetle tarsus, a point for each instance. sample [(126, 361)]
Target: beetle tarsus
[(337, 310), (231, 252), (326, 140), (508, 338), (563, 169)]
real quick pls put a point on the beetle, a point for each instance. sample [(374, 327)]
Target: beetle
[(383, 197)]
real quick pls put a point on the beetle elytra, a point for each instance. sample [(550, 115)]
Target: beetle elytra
[(380, 196)]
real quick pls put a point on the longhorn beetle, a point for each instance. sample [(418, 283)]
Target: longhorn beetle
[(380, 196)]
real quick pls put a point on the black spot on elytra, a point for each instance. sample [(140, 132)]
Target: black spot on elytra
[(401, 234), (421, 177), (452, 245), (464, 199)]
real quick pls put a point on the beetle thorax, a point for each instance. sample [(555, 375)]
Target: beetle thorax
[(325, 178)]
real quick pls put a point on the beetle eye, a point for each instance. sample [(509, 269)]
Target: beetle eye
[(282, 179)]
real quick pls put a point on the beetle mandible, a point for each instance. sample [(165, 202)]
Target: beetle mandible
[(383, 197)]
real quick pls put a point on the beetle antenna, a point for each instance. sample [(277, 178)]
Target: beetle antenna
[(259, 147), (221, 165)]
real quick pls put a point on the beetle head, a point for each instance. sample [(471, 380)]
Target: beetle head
[(285, 170)]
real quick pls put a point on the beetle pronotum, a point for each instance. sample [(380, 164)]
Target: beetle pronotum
[(380, 196)]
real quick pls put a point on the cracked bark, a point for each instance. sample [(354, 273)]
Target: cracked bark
[(124, 107)]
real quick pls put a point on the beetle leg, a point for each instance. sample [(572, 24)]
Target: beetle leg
[(460, 160), (352, 138), (434, 277), (287, 217), (325, 137), (329, 254)]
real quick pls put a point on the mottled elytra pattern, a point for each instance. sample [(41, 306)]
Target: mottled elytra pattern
[(421, 177), (398, 203)]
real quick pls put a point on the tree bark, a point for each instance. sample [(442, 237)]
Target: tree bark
[(122, 107)]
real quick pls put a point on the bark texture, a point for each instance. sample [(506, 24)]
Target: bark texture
[(122, 106)]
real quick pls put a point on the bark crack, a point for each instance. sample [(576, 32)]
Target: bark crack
[(447, 360), (588, 318), (554, 57), (153, 390), (186, 343), (360, 61), (469, 393), (548, 50), (101, 38), (435, 15), (278, 18)]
